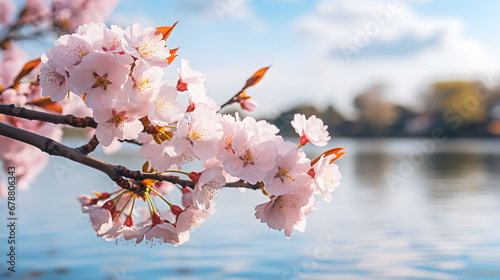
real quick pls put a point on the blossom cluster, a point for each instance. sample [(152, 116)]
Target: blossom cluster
[(117, 74), (62, 14), (32, 19), (26, 94)]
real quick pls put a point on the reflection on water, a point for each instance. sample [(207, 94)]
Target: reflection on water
[(440, 221)]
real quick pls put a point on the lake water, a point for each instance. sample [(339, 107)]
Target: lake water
[(398, 214)]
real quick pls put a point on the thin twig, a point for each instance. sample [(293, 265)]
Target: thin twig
[(230, 101)]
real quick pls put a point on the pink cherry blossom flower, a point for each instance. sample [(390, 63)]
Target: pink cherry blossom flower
[(326, 177), (192, 217), (69, 50), (248, 104), (261, 130), (146, 44), (100, 76), (35, 12), (124, 204), (114, 232), (85, 199), (164, 109), (70, 14), (53, 80), (156, 155), (31, 90), (284, 212), (210, 182), (198, 97), (28, 160), (289, 172), (306, 210), (251, 159), (112, 40), (187, 196), (7, 11), (102, 38), (12, 96), (189, 77), (230, 128), (160, 231), (164, 187), (74, 105), (13, 60), (99, 217), (162, 158), (311, 130), (116, 123), (197, 136), (144, 82), (214, 161)]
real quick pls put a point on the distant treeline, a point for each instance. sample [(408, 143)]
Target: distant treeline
[(459, 108)]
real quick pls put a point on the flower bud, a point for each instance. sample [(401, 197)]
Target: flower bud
[(311, 173), (108, 205), (195, 176), (129, 222), (104, 195), (156, 219), (176, 210), (181, 86)]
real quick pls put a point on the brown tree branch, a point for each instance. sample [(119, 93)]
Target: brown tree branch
[(114, 172), (89, 147), (24, 113), (70, 120)]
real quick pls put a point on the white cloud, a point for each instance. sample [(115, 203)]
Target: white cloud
[(404, 50), (217, 9)]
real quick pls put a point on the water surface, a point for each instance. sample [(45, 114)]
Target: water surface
[(400, 213)]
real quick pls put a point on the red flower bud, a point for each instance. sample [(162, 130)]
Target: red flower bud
[(195, 176), (104, 195), (303, 140), (129, 222), (176, 210), (311, 172), (181, 86), (108, 205), (190, 108), (156, 219)]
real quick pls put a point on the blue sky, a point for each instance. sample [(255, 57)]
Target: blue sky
[(305, 42)]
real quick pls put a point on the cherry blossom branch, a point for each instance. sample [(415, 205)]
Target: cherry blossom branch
[(70, 120), (24, 113), (114, 172)]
